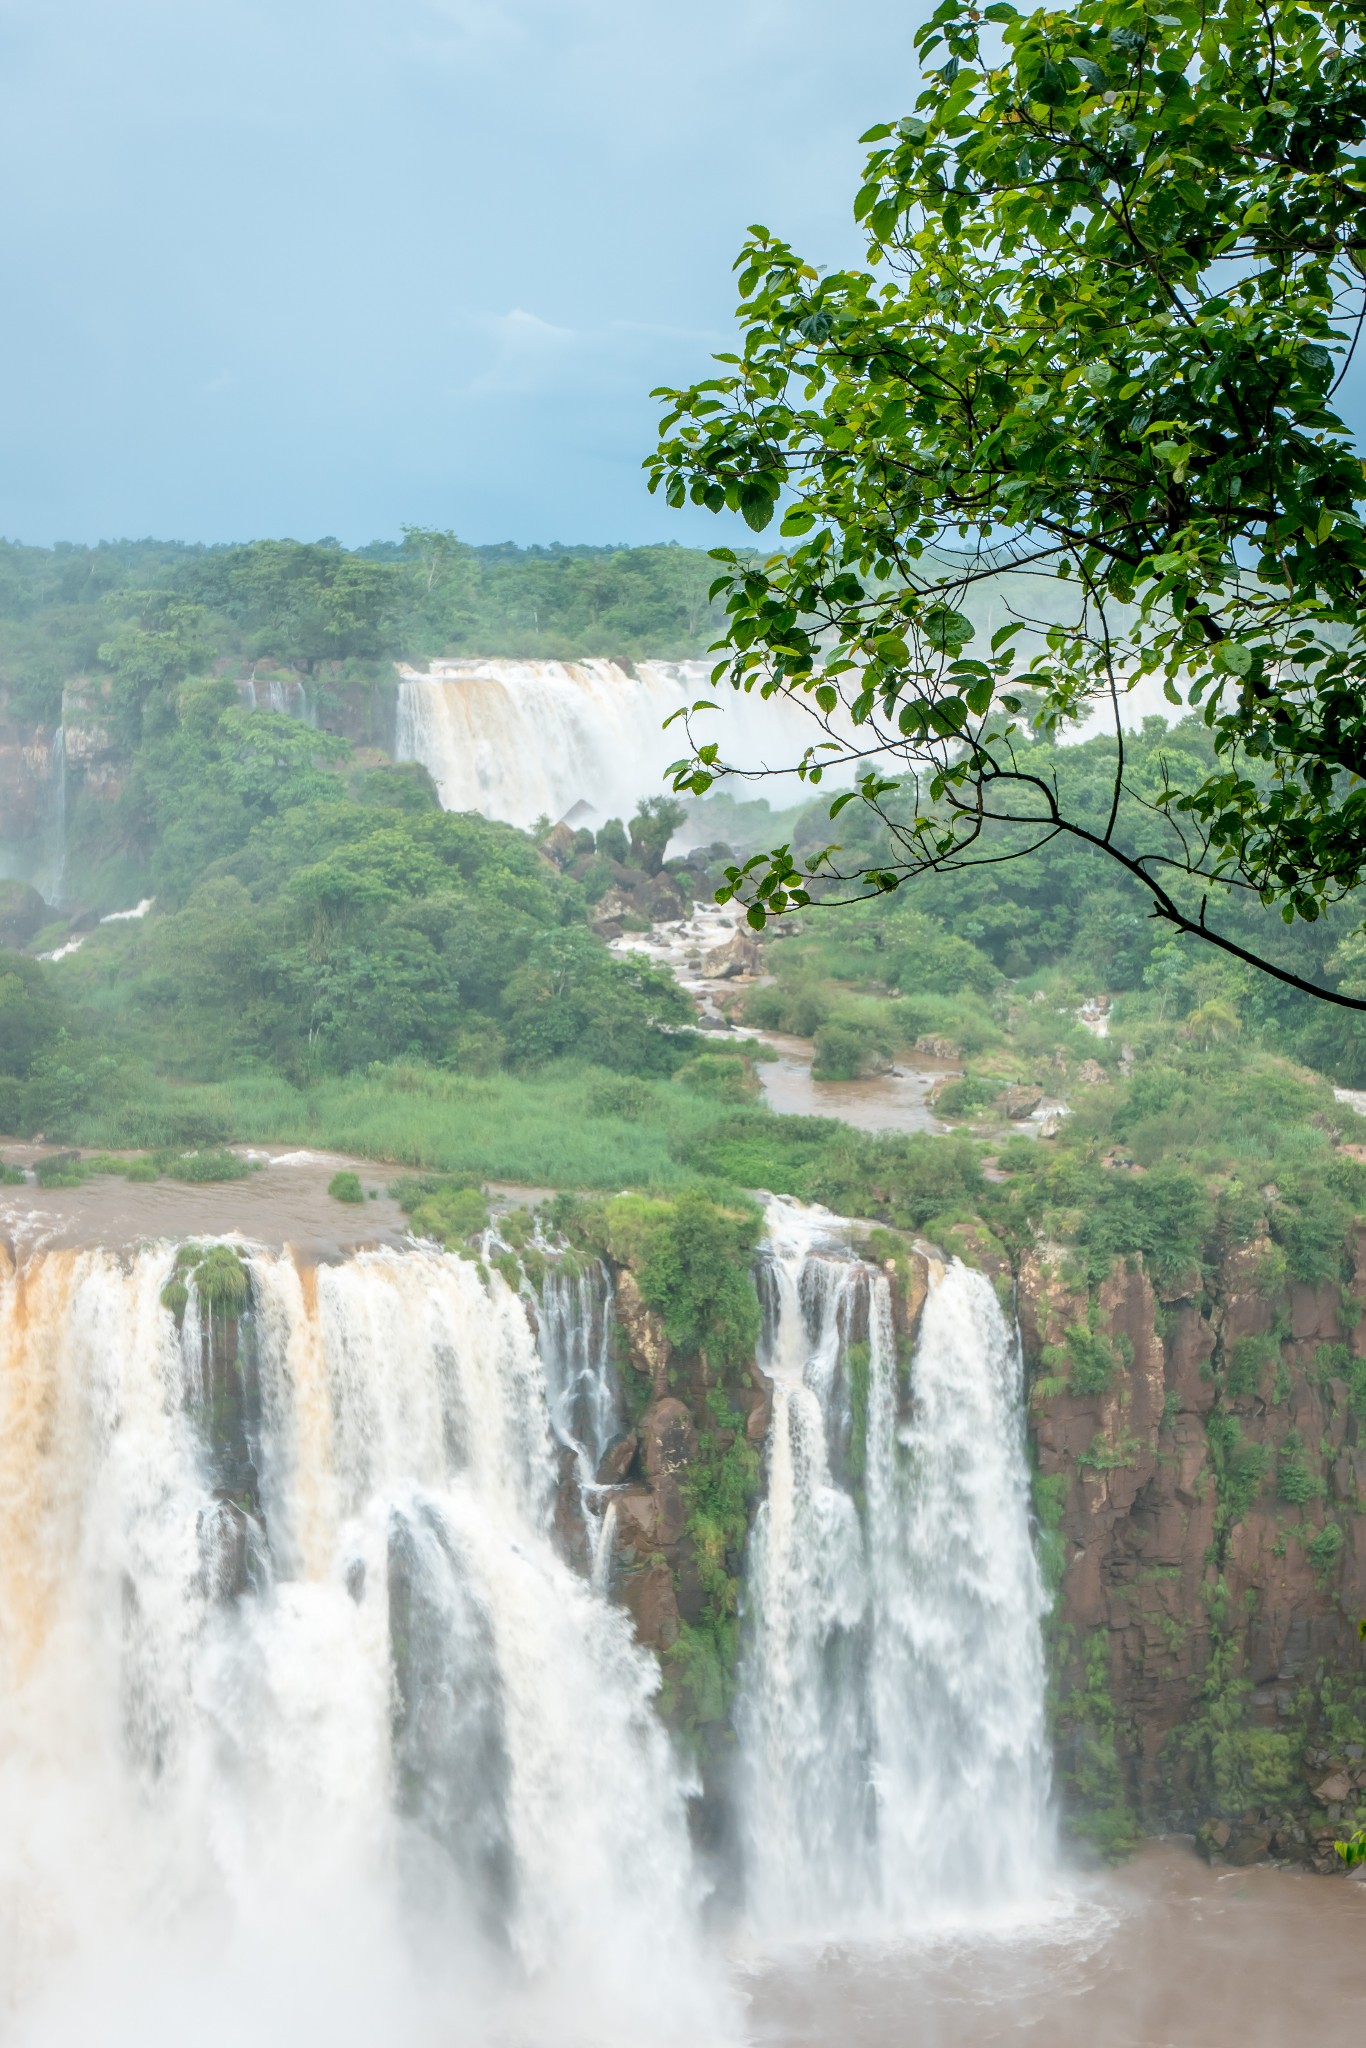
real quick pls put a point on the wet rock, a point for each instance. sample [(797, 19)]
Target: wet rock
[(617, 1460), (1213, 1838), (1020, 1100), (1250, 1844), (649, 1598), (741, 954)]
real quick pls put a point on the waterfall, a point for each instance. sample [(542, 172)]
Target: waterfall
[(520, 740), (895, 1764), (285, 696), (583, 1392), (306, 1729), (58, 773)]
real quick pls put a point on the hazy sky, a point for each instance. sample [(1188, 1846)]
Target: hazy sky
[(323, 266)]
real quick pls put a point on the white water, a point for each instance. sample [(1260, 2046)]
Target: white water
[(520, 740), (891, 1717), (408, 1782)]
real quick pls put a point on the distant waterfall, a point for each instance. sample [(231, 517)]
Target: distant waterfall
[(306, 1731), (59, 833), (894, 1758), (285, 695), (520, 740)]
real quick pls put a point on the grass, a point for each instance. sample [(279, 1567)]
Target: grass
[(555, 1129)]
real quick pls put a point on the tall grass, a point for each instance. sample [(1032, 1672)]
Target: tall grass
[(543, 1131)]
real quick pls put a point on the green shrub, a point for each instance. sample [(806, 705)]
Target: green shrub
[(175, 1296), (11, 1176), (452, 1215), (965, 1096), (1296, 1479), (1249, 1358), (1092, 1360), (1324, 1550), (725, 1077), (60, 1170), (1239, 1465), (346, 1187), (626, 1097), (844, 1050), (220, 1278), (214, 1165)]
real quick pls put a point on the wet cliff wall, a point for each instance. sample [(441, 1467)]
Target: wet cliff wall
[(1200, 1484)]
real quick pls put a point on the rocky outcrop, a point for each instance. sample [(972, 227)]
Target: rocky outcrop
[(1201, 1468)]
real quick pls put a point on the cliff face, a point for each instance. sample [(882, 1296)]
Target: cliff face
[(1200, 1466)]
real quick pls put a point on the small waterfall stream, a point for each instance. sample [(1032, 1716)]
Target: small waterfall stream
[(895, 1764)]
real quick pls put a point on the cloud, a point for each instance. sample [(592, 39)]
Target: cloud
[(325, 265)]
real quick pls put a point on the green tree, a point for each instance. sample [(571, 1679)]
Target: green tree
[(1071, 427), (652, 827)]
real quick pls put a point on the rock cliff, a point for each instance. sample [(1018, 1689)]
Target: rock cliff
[(1200, 1466)]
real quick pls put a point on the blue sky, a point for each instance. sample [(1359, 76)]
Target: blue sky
[(325, 266)]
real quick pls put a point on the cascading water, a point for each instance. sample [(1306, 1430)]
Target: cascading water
[(891, 1722), (306, 1729), (582, 1389), (520, 740)]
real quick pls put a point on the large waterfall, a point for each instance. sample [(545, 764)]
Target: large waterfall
[(891, 1715), (316, 1715), (521, 740), (307, 1731)]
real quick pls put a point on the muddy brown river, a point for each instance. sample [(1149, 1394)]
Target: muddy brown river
[(1164, 1953)]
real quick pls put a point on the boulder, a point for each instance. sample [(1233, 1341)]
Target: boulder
[(1020, 1100), (617, 1460), (22, 913), (938, 1048), (558, 845), (1334, 1789), (1092, 1074), (637, 1520), (668, 1438), (741, 954)]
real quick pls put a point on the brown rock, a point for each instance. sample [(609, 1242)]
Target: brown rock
[(637, 1520), (1334, 1789), (668, 1439), (647, 1345), (649, 1598), (1020, 1100), (938, 1048), (617, 1460), (741, 954)]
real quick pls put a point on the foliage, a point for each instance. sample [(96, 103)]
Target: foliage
[(1240, 1466), (219, 1277), (346, 1187), (1296, 1479), (694, 1268), (1088, 1727), (1079, 406)]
